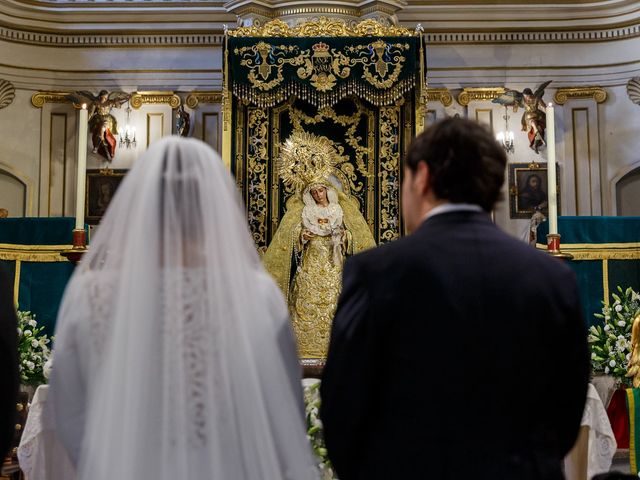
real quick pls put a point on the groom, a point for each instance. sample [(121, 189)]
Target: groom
[(456, 352)]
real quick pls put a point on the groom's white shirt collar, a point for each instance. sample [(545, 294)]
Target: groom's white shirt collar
[(452, 207)]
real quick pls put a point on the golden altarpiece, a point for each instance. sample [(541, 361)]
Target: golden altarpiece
[(355, 90)]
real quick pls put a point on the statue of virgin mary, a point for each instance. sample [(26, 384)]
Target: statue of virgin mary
[(322, 225)]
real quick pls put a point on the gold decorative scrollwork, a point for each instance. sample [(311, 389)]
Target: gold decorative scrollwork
[(154, 98), (373, 55), (350, 122), (262, 58), (442, 95), (38, 99), (195, 98), (469, 95), (323, 27), (257, 175), (322, 64), (389, 173), (562, 95)]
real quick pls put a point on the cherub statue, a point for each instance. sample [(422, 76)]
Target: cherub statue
[(183, 122), (534, 116), (102, 124), (633, 369)]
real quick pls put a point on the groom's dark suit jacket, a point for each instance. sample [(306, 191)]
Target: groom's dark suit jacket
[(456, 352)]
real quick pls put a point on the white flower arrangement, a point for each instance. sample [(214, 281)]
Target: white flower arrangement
[(314, 429), (33, 350), (611, 341)]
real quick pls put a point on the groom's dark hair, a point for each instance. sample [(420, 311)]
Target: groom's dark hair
[(466, 164)]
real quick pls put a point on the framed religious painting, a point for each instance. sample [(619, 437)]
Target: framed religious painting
[(101, 186), (529, 189)]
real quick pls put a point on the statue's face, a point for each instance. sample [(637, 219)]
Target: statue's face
[(319, 194)]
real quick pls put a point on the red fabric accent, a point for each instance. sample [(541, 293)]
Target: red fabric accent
[(619, 417), (111, 141), (531, 134)]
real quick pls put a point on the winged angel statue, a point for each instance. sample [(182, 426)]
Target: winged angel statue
[(534, 116), (102, 125)]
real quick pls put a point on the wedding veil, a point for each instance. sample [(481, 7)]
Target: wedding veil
[(191, 364)]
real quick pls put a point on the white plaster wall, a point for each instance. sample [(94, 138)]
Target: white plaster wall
[(628, 193), (20, 147), (12, 195), (620, 132), (127, 68)]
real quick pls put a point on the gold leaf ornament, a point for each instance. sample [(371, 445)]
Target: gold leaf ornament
[(633, 90), (7, 93), (306, 158)]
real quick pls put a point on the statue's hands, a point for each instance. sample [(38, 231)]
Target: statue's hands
[(307, 235)]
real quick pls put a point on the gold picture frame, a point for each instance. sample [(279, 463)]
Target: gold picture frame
[(101, 187)]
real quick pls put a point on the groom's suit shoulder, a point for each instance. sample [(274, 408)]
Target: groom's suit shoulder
[(383, 259)]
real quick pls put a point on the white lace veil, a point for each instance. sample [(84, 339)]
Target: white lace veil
[(197, 377)]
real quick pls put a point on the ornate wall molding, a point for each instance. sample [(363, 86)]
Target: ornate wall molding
[(349, 9), (111, 40), (38, 99), (195, 98), (7, 93), (442, 95), (633, 90), (154, 98), (532, 36), (153, 23), (216, 39), (484, 94), (564, 94), (138, 99)]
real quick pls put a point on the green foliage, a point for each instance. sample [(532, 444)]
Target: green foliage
[(314, 430), (611, 341), (33, 350)]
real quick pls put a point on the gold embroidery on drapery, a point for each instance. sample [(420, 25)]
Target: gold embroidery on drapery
[(389, 173), (257, 161), (322, 66)]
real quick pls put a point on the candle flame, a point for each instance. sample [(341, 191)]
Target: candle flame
[(550, 104), (84, 106)]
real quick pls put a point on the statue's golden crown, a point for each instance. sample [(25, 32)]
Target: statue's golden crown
[(306, 158)]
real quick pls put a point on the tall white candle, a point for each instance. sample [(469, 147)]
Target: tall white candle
[(551, 170), (83, 125)]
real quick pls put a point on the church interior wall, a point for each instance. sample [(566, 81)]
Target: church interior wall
[(597, 143)]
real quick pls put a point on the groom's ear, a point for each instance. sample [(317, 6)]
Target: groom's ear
[(422, 178)]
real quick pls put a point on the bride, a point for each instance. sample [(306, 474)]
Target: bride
[(174, 355)]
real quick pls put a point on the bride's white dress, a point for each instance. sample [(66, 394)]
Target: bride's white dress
[(174, 354)]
